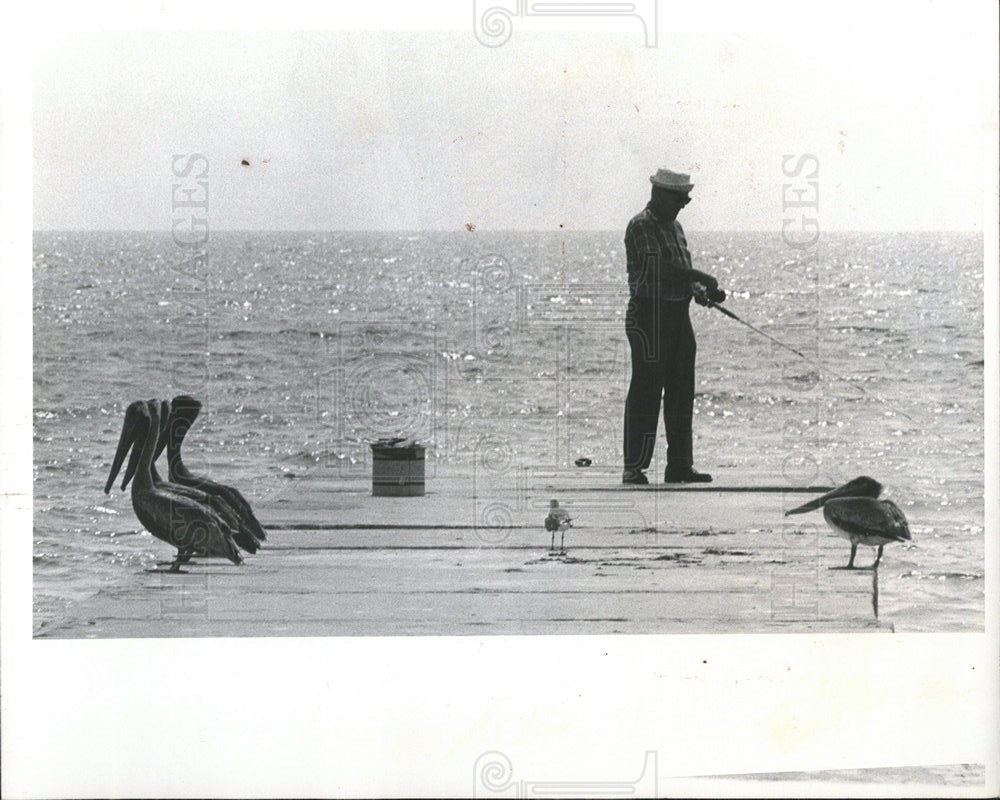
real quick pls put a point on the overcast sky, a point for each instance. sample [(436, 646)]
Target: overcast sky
[(432, 130)]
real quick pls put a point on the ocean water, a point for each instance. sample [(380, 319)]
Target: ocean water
[(304, 347)]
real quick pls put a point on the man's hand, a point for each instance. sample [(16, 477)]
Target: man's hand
[(705, 296)]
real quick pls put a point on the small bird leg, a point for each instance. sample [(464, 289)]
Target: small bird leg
[(878, 558)]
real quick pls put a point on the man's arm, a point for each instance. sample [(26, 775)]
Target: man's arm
[(650, 266), (642, 255), (640, 242), (706, 280)]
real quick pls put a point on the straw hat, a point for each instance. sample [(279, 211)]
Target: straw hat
[(675, 181)]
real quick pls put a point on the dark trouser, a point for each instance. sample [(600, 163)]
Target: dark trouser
[(663, 355)]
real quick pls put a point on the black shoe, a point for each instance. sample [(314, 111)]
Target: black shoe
[(686, 475), (634, 476)]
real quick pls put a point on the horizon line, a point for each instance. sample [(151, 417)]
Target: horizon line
[(495, 230)]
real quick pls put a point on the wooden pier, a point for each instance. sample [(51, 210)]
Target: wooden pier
[(472, 557)]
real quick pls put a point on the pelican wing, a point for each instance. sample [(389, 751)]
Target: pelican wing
[(183, 523), (867, 518), (217, 503), (230, 495), (243, 531)]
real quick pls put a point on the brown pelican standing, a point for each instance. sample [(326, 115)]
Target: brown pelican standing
[(184, 409), (855, 512), (178, 521), (131, 432)]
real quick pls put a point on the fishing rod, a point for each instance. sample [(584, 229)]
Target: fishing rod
[(703, 300), (701, 296)]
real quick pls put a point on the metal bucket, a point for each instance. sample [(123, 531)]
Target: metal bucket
[(397, 469)]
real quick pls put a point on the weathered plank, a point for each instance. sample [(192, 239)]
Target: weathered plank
[(461, 562)]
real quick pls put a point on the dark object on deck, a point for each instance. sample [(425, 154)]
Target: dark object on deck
[(397, 468), (583, 462)]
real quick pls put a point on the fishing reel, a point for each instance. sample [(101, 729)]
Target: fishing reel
[(704, 296)]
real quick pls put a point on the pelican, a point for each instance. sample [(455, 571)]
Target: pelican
[(558, 519), (183, 411), (855, 512), (131, 432), (178, 521)]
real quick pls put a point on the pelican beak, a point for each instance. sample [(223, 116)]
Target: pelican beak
[(161, 442), (133, 461), (133, 464), (812, 505), (125, 441)]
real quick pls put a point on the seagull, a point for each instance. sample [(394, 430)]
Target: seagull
[(855, 512), (557, 520)]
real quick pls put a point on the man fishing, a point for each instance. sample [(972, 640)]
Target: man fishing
[(661, 284)]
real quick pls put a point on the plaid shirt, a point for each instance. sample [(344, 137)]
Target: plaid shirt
[(657, 256)]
